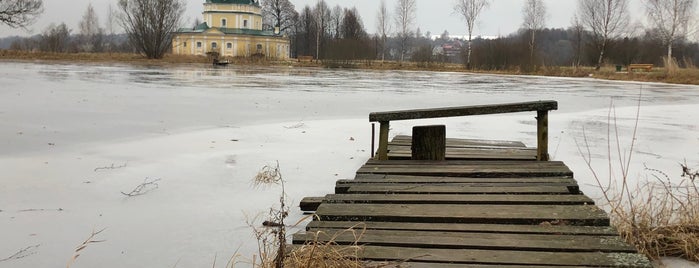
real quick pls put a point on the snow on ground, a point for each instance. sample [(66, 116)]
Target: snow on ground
[(74, 137)]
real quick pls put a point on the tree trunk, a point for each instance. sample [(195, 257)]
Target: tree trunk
[(468, 56), (601, 56)]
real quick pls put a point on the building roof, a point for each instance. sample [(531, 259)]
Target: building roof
[(240, 2), (203, 27)]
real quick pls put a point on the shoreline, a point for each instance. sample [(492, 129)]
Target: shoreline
[(687, 76)]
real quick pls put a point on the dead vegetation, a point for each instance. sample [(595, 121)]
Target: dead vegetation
[(147, 186), (659, 215), (80, 248), (271, 236), (22, 253)]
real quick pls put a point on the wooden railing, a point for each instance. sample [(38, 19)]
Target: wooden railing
[(541, 108)]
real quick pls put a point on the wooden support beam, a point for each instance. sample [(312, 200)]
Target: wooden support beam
[(383, 140), (464, 111), (542, 133), (429, 143)]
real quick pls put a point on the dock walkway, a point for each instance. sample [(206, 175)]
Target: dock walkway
[(489, 204)]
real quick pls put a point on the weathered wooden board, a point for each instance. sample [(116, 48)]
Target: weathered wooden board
[(469, 170), (384, 178), (504, 163), (407, 140), (403, 264), (449, 213), (404, 153), (456, 189), (466, 227), (499, 257), (463, 240), (311, 204), (463, 111)]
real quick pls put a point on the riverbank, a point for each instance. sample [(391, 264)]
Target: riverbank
[(688, 76)]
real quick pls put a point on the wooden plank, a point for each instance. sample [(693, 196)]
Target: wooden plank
[(382, 178), (403, 264), (312, 203), (455, 189), (466, 227), (451, 142), (476, 163), (343, 186), (448, 213), (405, 152), (463, 240), (497, 257), (468, 170), (459, 199), (429, 143), (463, 111)]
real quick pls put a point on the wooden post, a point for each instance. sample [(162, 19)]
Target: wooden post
[(429, 142), (383, 140), (542, 133)]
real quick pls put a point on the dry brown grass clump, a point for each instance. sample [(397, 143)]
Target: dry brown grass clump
[(660, 216), (327, 253)]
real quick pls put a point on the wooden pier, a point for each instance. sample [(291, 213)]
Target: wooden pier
[(489, 204)]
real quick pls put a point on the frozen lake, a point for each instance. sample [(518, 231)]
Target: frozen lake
[(205, 132)]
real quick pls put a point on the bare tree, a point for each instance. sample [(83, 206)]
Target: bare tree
[(19, 13), (279, 13), (534, 12), (383, 27), (671, 19), (469, 11), (55, 38), (578, 31), (149, 24), (352, 27), (90, 32), (110, 28), (336, 17), (405, 18), (321, 13), (605, 19)]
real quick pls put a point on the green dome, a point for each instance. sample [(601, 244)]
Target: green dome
[(242, 2)]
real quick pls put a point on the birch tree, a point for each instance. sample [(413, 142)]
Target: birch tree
[(405, 18), (19, 13), (90, 31), (671, 19), (606, 20), (383, 27), (534, 12), (469, 11)]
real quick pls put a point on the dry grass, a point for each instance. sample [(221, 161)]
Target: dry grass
[(658, 215), (327, 254)]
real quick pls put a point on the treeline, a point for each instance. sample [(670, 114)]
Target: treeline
[(333, 34), (568, 47), (90, 37)]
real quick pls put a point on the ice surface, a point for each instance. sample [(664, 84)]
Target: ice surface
[(205, 132)]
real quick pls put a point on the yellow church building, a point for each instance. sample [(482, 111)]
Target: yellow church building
[(231, 28)]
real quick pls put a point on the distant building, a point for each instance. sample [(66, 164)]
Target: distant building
[(231, 28)]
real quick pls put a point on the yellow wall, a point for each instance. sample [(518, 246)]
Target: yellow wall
[(233, 20), (240, 45)]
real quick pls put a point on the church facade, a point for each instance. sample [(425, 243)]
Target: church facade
[(231, 28)]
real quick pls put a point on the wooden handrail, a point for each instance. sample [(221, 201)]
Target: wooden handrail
[(541, 107)]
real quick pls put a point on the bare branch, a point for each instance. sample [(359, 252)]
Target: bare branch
[(19, 13), (22, 253), (111, 167), (147, 186), (83, 246)]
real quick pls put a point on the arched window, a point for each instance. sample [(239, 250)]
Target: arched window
[(229, 45), (213, 45), (224, 23)]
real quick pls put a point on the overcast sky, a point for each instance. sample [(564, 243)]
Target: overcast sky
[(502, 18)]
